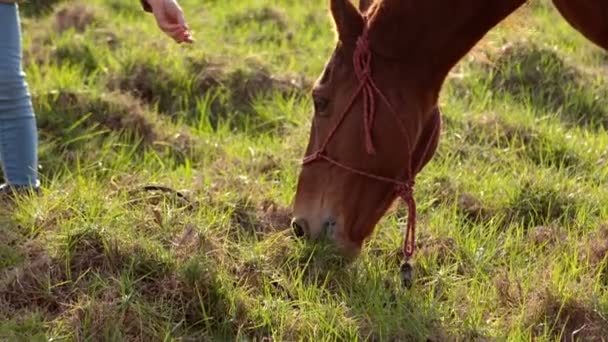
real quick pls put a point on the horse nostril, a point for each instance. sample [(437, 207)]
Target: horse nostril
[(299, 226), (329, 226)]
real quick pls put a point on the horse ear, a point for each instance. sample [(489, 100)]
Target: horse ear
[(364, 5), (349, 22)]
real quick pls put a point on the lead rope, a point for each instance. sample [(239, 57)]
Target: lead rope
[(362, 60)]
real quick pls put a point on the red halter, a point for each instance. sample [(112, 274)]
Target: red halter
[(362, 60)]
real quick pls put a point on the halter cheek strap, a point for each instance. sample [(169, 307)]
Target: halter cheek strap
[(404, 188)]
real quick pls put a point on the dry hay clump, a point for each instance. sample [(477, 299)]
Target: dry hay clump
[(447, 193)]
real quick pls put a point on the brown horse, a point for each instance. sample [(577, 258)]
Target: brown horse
[(376, 122)]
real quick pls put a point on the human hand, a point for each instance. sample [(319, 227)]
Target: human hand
[(170, 18)]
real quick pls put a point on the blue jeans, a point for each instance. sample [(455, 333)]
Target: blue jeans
[(18, 132)]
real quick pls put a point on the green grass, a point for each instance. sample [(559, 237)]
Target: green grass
[(513, 231)]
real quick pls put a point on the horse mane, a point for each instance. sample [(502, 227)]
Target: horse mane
[(408, 26), (436, 34)]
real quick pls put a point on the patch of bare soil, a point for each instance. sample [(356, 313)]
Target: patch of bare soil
[(510, 292), (152, 196), (190, 241), (572, 319), (436, 251), (27, 286), (443, 250), (192, 295), (546, 236), (49, 283), (265, 218), (40, 48), (594, 251), (75, 16), (595, 248), (101, 314), (59, 287), (569, 320), (472, 209)]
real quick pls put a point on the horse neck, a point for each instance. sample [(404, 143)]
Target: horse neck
[(433, 35)]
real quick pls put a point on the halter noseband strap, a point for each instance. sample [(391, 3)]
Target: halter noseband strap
[(362, 60)]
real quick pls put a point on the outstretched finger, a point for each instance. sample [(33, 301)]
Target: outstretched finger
[(187, 38), (181, 35)]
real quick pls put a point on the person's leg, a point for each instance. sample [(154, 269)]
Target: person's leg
[(18, 132), (18, 139)]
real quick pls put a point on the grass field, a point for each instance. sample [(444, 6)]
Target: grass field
[(513, 209)]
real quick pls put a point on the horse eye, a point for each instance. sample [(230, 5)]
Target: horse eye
[(320, 103)]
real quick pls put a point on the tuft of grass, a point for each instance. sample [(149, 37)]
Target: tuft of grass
[(228, 96), (37, 8), (548, 82), (72, 115), (263, 15)]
